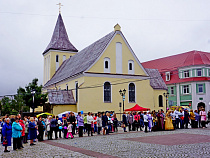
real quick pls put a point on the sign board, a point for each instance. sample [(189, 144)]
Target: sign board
[(190, 104)]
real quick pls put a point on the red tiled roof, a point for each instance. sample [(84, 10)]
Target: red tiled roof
[(172, 63), (180, 60)]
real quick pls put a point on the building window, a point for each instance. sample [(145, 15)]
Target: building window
[(107, 65), (76, 91), (199, 72), (67, 87), (130, 67), (57, 58), (131, 92), (167, 76), (209, 72), (200, 88), (172, 90), (186, 89), (107, 92), (186, 73), (160, 98), (64, 57)]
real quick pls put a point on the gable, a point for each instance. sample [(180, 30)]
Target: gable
[(119, 62)]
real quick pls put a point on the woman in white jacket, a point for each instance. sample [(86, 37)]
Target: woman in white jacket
[(48, 127), (89, 121)]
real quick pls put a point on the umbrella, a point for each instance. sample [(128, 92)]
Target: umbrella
[(137, 108), (45, 114)]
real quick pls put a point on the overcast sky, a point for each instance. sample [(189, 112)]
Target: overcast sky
[(153, 28)]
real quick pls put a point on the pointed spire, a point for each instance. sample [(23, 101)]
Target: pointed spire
[(60, 40)]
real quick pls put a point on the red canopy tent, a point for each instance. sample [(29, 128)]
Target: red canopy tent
[(137, 108)]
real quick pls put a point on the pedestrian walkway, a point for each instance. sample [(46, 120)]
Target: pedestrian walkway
[(177, 143)]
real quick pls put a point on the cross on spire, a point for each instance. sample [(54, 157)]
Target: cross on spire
[(59, 7)]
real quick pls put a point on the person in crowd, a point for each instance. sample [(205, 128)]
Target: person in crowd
[(136, 121), (141, 120), (177, 113), (130, 121), (124, 121), (186, 118), (85, 124), (99, 123), (197, 117), (32, 128), (89, 122), (12, 119), (160, 121), (69, 131), (22, 132), (115, 122), (108, 130), (25, 138), (154, 119), (2, 124), (182, 118), (145, 121), (104, 122), (16, 134), (53, 124), (203, 117), (59, 126), (40, 129), (192, 118), (168, 121), (48, 127), (209, 116), (7, 134), (73, 122), (149, 121), (173, 117), (80, 124), (44, 127), (95, 123), (65, 125)]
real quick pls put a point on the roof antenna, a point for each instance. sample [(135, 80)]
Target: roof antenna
[(59, 7)]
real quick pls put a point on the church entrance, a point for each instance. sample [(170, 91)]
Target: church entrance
[(201, 105)]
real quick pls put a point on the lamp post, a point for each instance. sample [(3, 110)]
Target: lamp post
[(166, 95), (122, 93), (33, 93)]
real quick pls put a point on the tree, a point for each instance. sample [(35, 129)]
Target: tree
[(6, 105), (25, 94)]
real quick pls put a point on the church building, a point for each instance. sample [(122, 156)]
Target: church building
[(93, 77)]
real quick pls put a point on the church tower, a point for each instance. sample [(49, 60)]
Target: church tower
[(58, 50)]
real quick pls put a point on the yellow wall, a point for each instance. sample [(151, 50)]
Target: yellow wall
[(110, 52), (57, 109)]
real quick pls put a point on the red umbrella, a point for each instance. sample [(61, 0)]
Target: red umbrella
[(137, 108)]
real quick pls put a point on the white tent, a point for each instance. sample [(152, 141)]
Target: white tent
[(67, 112)]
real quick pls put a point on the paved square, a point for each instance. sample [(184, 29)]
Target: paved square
[(172, 139)]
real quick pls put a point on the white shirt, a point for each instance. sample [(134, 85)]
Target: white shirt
[(145, 118), (176, 113), (90, 119)]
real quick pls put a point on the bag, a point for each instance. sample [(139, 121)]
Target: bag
[(65, 127), (5, 142), (123, 125), (60, 127)]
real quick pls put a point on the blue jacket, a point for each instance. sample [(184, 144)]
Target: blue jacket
[(7, 132), (32, 131), (16, 130), (53, 123)]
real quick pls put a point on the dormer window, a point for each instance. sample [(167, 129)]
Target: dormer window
[(107, 65), (199, 72), (130, 67), (167, 76), (186, 74)]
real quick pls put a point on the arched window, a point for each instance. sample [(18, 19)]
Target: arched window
[(130, 67), (160, 98), (57, 62), (107, 92), (107, 65), (131, 92)]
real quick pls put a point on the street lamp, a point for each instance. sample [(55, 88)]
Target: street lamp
[(122, 93), (166, 95), (33, 93)]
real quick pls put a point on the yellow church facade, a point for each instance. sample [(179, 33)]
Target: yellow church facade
[(96, 74)]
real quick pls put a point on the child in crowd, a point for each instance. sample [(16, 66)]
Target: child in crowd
[(69, 131)]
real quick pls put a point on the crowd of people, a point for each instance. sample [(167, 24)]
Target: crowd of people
[(32, 128)]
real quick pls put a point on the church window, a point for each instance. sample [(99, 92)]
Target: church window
[(64, 57), (107, 65), (130, 67), (107, 92), (160, 98), (131, 92), (57, 58), (76, 91)]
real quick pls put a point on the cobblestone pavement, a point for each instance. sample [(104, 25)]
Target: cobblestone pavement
[(178, 143)]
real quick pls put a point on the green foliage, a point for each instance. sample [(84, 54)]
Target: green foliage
[(6, 105)]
